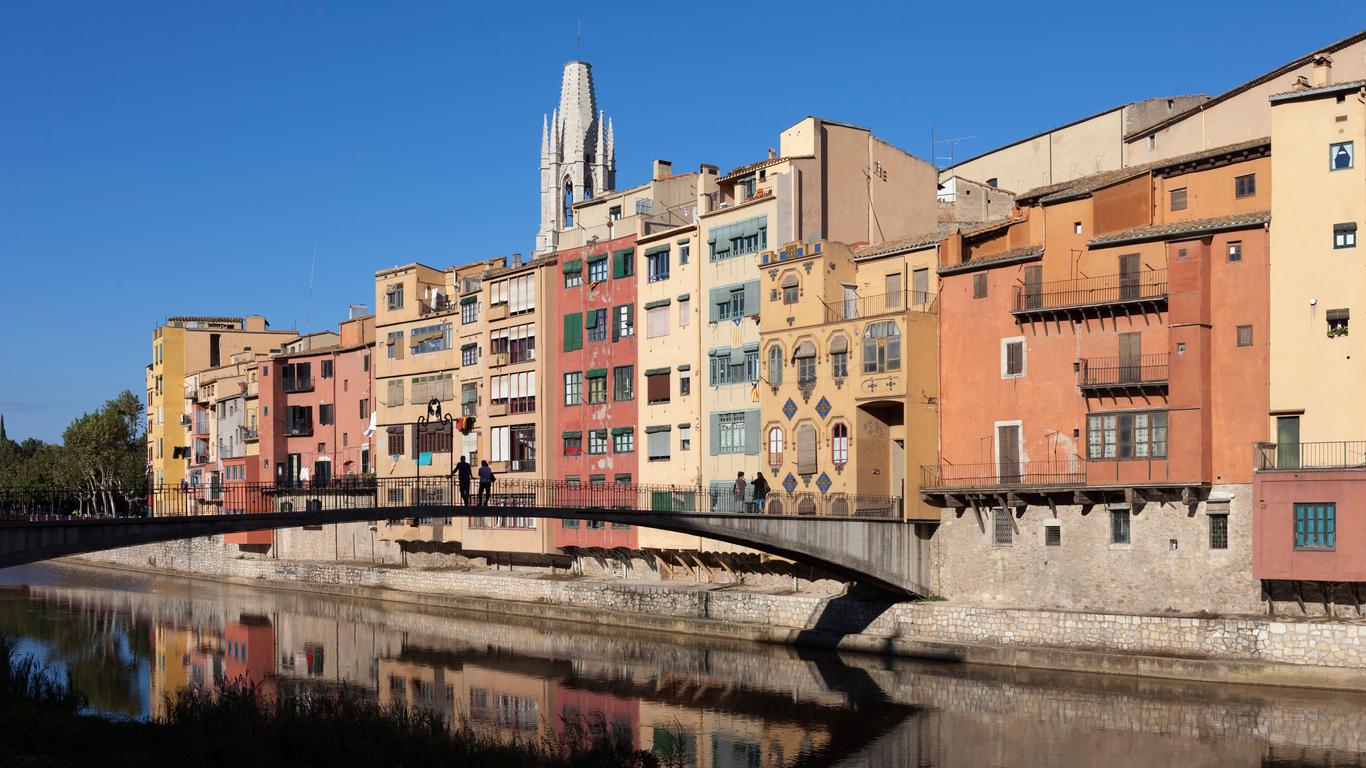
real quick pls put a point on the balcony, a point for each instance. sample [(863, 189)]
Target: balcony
[(1107, 294), (1004, 476), (437, 305), (200, 458), (249, 434), (880, 304), (1100, 375), (470, 285), (497, 311), (522, 465), (299, 429), (1294, 457), (498, 360), (498, 408), (299, 384)]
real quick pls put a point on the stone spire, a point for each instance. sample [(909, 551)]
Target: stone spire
[(577, 161)]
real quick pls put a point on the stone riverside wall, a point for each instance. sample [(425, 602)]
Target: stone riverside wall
[(943, 629)]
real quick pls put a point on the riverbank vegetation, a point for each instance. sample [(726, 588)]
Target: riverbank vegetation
[(240, 724)]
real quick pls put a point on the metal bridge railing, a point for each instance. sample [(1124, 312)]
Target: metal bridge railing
[(404, 493)]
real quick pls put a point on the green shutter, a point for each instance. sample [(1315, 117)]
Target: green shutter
[(597, 373), (571, 267), (657, 249), (622, 430), (657, 304), (656, 371), (650, 430), (573, 331), (469, 300), (685, 367), (595, 258), (684, 296), (571, 433)]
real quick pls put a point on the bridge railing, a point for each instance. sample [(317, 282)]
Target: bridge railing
[(525, 496)]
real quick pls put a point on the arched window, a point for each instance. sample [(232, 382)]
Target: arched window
[(806, 449), (775, 446), (775, 365), (588, 186), (568, 202), (839, 444), (805, 358), (882, 347), (839, 356), (791, 288)]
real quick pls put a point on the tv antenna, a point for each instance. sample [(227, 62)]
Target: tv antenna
[(935, 157)]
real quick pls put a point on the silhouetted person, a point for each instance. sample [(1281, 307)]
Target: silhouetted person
[(739, 491), (760, 489), (462, 473), (486, 479)]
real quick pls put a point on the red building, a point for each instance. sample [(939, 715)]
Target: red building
[(594, 378), (315, 405), (249, 649)]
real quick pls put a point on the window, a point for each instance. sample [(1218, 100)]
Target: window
[(732, 305), (573, 274), (623, 382), (394, 438), (1337, 322), (1245, 186), (469, 310), (683, 246), (742, 237), (1341, 156), (433, 438), (685, 437), (597, 387), (1345, 235), (657, 265), (469, 402), (625, 322), (469, 354), (395, 393), (1076, 227), (573, 388), (806, 448), (1244, 335), (806, 372), (365, 363), (573, 331), (1178, 197), (327, 369), (1052, 534), (518, 390), (730, 432), (614, 213), (684, 311), (394, 293), (775, 446), (623, 440), (881, 347), (791, 288), (597, 270), (775, 365), (1119, 526), (595, 320), (517, 342), (1316, 526), (298, 377), (839, 356), (839, 444), (920, 287), (573, 443), (752, 365), (1012, 358), (656, 321), (720, 370), (1218, 531), (1002, 528), (597, 442), (1235, 251), (657, 443), (428, 388), (1141, 435), (363, 409), (657, 386), (430, 338), (684, 384), (623, 263)]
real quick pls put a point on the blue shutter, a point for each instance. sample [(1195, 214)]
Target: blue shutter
[(714, 423)]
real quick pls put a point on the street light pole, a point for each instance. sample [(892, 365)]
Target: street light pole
[(434, 414)]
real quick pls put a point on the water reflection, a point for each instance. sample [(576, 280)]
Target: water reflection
[(131, 640)]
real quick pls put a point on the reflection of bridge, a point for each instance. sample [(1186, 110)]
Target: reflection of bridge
[(863, 538)]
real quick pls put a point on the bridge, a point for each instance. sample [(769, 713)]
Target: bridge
[(860, 538)]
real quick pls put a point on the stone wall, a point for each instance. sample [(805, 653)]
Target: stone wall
[(704, 609), (1167, 566)]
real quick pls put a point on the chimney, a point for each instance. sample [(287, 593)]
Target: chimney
[(772, 154), (516, 259), (1323, 71), (662, 168)]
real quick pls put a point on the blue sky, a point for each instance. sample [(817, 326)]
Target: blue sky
[(187, 158)]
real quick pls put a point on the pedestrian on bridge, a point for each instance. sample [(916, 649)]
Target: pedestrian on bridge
[(760, 489), (462, 473), (740, 491), (486, 479)]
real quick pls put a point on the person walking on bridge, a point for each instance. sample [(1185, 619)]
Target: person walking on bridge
[(740, 491), (486, 479), (462, 473), (760, 489)]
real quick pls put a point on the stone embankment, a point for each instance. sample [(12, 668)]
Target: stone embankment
[(1324, 653)]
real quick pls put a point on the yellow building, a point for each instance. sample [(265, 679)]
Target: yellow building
[(181, 346), (848, 381), (1318, 203)]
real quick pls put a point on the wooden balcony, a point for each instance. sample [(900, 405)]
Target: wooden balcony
[(1143, 291)]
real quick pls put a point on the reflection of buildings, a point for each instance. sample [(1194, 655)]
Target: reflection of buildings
[(208, 656)]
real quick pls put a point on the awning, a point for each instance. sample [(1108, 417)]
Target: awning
[(805, 349), (737, 357), (571, 433), (623, 430), (752, 346), (839, 344), (597, 373), (685, 367), (470, 345), (470, 300), (684, 296), (657, 249), (653, 428), (684, 425), (570, 267), (657, 304), (789, 280), (719, 352), (596, 258), (657, 371)]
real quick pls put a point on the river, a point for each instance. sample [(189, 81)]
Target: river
[(130, 639)]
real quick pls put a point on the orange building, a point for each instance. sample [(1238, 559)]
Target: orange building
[(1104, 366)]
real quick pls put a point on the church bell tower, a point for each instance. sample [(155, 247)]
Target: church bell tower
[(578, 154)]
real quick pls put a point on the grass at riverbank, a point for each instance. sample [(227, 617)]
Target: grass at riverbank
[(239, 725)]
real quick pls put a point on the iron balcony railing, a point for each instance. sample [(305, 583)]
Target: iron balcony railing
[(1104, 372), (1349, 454), (1004, 475), (437, 304), (299, 429), (510, 497), (856, 307), (1147, 285), (298, 384), (249, 434)]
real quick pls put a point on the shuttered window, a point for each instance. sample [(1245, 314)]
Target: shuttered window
[(1012, 358), (806, 449), (657, 443), (657, 322), (395, 393), (573, 331), (657, 387), (394, 437)]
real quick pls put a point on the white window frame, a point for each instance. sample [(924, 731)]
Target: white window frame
[(996, 443), (1024, 357)]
